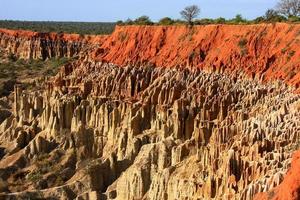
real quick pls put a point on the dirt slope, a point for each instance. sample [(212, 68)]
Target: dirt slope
[(268, 49)]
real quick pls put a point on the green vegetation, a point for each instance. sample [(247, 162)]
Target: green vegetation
[(13, 70), (242, 43), (286, 11), (291, 54), (143, 20), (238, 19), (166, 21), (94, 28), (243, 46), (45, 164), (34, 176)]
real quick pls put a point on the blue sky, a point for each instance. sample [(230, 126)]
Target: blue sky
[(113, 10)]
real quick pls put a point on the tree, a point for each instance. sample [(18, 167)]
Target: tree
[(166, 21), (239, 19), (273, 16), (190, 13), (119, 22), (270, 14), (289, 8), (128, 22), (143, 20), (220, 20)]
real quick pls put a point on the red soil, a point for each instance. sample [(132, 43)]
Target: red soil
[(54, 36), (269, 49), (289, 189)]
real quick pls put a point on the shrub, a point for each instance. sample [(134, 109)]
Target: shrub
[(291, 54), (259, 19), (128, 22), (283, 50), (143, 20), (12, 57), (273, 16), (166, 21), (220, 20), (294, 19), (242, 43), (204, 21), (66, 27), (120, 22), (238, 19), (244, 52), (34, 176)]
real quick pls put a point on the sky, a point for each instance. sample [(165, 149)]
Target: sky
[(113, 10)]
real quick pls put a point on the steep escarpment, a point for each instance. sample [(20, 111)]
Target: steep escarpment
[(270, 51), (139, 117), (34, 45)]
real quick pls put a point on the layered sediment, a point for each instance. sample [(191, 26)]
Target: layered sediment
[(34, 45), (270, 51), (126, 121)]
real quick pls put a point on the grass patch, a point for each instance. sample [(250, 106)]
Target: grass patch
[(34, 176), (20, 70)]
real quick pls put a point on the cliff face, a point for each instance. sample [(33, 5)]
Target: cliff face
[(33, 45), (100, 130), (267, 50)]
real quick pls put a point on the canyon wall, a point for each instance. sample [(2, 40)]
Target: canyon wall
[(267, 50), (160, 113), (34, 45)]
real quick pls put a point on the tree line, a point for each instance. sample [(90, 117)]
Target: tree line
[(83, 28), (285, 11)]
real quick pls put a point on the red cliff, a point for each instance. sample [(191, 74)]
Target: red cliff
[(270, 50), (34, 45)]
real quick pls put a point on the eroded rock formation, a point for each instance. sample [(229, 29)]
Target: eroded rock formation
[(290, 186), (267, 50), (34, 45), (138, 131)]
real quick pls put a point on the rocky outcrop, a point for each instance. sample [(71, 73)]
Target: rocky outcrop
[(205, 128), (34, 45)]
